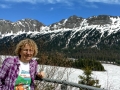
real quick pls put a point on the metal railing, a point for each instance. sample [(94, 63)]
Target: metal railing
[(65, 84)]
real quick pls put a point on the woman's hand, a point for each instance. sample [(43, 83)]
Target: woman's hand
[(41, 74)]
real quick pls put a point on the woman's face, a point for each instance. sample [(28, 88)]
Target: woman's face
[(26, 53)]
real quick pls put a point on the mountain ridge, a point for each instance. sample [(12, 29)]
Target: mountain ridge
[(73, 33), (70, 23)]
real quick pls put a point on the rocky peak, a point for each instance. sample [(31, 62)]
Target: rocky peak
[(99, 20), (71, 22), (26, 25), (31, 21), (5, 26)]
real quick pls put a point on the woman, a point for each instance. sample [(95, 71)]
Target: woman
[(19, 73)]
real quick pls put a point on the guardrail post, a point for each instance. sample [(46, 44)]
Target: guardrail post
[(64, 86)]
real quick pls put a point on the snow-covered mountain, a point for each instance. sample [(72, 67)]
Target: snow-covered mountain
[(95, 31)]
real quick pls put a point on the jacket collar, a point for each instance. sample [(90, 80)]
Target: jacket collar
[(17, 60)]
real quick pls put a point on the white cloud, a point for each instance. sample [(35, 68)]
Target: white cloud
[(40, 1), (85, 3), (68, 2), (18, 1), (4, 6), (105, 1), (90, 5), (51, 9)]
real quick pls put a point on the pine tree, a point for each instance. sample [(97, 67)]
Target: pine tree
[(87, 79)]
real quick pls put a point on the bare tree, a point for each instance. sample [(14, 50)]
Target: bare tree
[(53, 70)]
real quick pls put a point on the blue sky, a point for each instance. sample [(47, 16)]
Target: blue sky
[(51, 11)]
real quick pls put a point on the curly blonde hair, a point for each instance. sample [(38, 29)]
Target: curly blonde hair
[(22, 44)]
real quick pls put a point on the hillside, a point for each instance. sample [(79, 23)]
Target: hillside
[(96, 37)]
